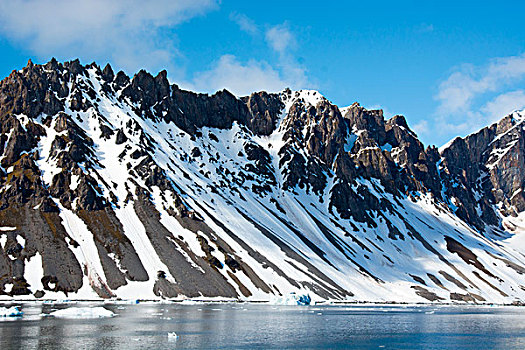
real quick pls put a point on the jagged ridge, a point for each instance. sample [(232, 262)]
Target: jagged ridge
[(112, 186)]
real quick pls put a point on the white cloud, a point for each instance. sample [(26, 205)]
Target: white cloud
[(239, 78), (458, 92), (245, 77), (280, 38), (475, 96), (245, 23), (421, 128), (504, 104), (129, 32)]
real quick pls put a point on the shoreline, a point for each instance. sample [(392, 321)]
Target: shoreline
[(267, 302)]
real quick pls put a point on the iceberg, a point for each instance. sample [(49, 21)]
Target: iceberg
[(13, 311), (82, 312), (291, 299)]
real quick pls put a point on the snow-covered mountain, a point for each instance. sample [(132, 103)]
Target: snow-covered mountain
[(134, 188)]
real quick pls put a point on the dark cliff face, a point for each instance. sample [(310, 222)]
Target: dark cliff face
[(83, 148), (155, 97), (485, 172), (355, 144), (384, 149)]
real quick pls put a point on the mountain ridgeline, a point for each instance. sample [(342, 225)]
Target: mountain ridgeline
[(112, 186)]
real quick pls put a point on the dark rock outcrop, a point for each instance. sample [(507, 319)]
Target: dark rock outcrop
[(177, 188)]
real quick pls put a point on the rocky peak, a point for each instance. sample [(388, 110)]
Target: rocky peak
[(484, 172), (121, 80), (75, 68), (371, 122), (265, 110), (107, 73)]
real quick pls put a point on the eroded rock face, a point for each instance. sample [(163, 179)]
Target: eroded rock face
[(109, 184), (354, 144), (390, 151), (484, 173), (265, 109)]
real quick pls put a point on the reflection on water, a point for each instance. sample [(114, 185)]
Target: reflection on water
[(252, 326)]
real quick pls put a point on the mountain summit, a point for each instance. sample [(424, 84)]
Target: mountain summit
[(112, 186)]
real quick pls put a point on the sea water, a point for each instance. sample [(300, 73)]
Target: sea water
[(263, 326)]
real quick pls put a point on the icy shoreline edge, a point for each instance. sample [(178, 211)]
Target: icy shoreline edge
[(234, 301)]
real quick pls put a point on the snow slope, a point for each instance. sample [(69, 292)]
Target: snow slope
[(193, 208)]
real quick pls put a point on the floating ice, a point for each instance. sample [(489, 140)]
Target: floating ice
[(291, 299), (82, 312), (13, 311), (124, 302)]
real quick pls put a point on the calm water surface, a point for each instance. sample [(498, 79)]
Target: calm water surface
[(259, 326)]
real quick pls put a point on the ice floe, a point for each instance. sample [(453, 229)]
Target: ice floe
[(172, 336), (13, 311), (83, 312), (291, 299)]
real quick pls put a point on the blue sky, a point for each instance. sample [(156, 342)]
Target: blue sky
[(450, 67)]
